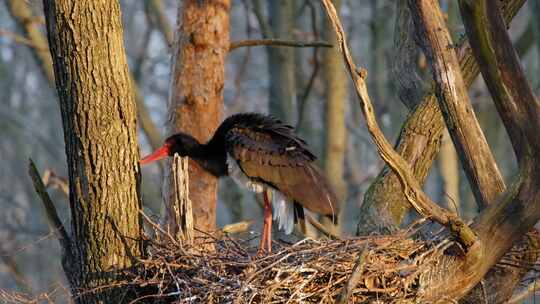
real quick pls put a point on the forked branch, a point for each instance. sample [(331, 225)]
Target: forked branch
[(411, 187)]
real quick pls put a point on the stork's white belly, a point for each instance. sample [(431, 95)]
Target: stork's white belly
[(282, 206)]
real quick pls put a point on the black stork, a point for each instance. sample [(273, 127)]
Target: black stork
[(263, 154)]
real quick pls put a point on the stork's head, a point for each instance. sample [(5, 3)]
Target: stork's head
[(181, 143)]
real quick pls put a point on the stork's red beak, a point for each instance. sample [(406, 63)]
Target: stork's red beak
[(157, 155)]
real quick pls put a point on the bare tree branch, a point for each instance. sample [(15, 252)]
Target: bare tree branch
[(504, 76), (266, 31), (418, 143), (411, 188), (50, 209), (476, 157), (277, 42), (40, 48), (50, 179)]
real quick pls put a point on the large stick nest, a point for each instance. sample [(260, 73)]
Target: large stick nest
[(376, 269)]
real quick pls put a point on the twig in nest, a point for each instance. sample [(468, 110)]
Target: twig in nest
[(236, 227), (320, 227), (355, 277), (411, 187)]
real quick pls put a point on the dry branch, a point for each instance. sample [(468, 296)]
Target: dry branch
[(476, 158), (50, 179), (277, 42), (411, 188), (157, 15), (504, 76), (50, 209)]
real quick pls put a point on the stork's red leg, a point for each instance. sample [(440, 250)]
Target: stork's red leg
[(266, 237)]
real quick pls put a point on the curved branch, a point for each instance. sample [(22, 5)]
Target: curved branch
[(411, 187)]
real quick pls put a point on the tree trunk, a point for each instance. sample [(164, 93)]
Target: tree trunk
[(99, 121), (336, 83), (281, 65), (196, 95)]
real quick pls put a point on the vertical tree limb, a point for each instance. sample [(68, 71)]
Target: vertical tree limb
[(504, 76), (157, 13), (196, 94), (281, 65), (476, 157), (410, 86)]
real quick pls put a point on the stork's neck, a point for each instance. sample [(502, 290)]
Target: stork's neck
[(211, 157)]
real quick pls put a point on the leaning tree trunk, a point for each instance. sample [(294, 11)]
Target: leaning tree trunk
[(99, 121), (196, 96)]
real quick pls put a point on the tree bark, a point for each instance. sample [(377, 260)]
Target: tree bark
[(99, 121), (196, 97)]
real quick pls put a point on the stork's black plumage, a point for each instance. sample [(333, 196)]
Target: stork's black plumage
[(263, 154)]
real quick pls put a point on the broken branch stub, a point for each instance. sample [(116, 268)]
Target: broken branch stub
[(181, 204)]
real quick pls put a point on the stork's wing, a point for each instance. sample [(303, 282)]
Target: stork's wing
[(275, 156)]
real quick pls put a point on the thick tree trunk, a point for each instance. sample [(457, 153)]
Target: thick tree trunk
[(99, 120), (196, 95)]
